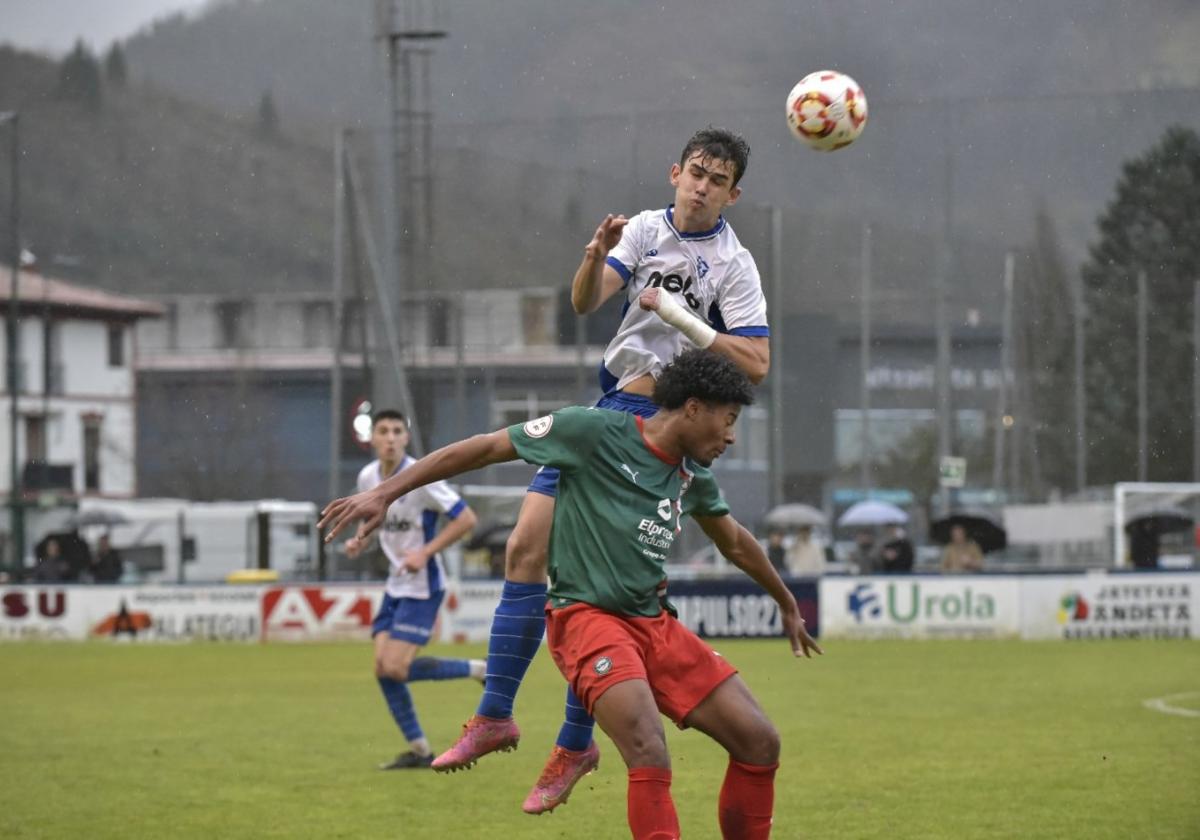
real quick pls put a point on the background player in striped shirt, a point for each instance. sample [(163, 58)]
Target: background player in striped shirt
[(625, 482), (416, 583), (688, 282)]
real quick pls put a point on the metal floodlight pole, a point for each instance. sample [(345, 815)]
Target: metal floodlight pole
[(16, 511), (866, 455), (409, 28), (335, 381), (1006, 364), (945, 430), (1196, 382), (778, 463), (1143, 414), (1080, 392)]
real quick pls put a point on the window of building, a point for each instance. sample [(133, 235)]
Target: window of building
[(440, 313), (91, 453), (537, 326), (353, 330), (511, 407), (52, 367), (171, 318), (231, 327), (116, 345), (318, 323), (35, 437)]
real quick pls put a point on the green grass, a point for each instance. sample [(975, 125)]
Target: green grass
[(881, 740)]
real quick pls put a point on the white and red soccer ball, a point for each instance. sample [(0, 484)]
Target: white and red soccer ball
[(826, 110)]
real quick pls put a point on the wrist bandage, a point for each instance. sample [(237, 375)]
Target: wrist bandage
[(698, 332)]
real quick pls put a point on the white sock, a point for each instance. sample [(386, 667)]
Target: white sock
[(478, 668), (421, 747)]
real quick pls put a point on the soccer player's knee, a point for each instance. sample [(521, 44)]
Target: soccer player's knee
[(647, 747), (397, 671), (767, 745), (525, 553)]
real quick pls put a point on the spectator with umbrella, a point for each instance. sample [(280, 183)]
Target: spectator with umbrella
[(897, 555), (1145, 530), (961, 554), (967, 537), (804, 555), (867, 516), (106, 563)]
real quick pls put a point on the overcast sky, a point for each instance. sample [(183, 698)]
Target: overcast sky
[(54, 25)]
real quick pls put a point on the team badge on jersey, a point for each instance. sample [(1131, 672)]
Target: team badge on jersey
[(602, 665), (664, 509), (540, 427)]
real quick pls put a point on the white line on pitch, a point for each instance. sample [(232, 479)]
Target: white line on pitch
[(1163, 704)]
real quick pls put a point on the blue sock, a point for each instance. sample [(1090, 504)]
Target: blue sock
[(576, 732), (431, 668), (401, 705), (517, 629)]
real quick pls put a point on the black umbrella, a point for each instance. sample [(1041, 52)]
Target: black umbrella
[(1160, 521), (987, 533)]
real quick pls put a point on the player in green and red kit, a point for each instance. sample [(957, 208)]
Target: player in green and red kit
[(625, 483)]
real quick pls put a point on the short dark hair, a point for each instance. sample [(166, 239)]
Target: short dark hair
[(721, 144), (702, 374), (388, 414)]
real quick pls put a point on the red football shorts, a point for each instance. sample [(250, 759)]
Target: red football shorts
[(596, 649)]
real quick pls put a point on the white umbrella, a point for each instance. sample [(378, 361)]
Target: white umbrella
[(872, 512), (795, 515)]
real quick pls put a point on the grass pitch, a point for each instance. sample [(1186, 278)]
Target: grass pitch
[(881, 740)]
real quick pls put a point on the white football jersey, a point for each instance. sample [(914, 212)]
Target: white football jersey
[(411, 522), (709, 273)]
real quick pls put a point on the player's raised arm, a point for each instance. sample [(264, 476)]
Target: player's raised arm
[(740, 548), (371, 506), (596, 281)]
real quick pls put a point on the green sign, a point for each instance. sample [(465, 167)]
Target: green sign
[(953, 471)]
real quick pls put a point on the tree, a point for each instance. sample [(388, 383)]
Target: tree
[(268, 115), (1044, 340), (116, 72), (1152, 225), (79, 77), (913, 464)]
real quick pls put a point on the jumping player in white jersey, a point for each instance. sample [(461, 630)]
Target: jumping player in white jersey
[(688, 282), (415, 585)]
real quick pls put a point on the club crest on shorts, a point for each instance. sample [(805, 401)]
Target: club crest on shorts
[(540, 427), (602, 665)]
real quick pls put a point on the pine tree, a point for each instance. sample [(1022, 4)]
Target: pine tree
[(268, 115), (79, 77), (116, 71), (1152, 225)]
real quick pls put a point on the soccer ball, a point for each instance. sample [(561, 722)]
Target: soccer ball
[(826, 110)]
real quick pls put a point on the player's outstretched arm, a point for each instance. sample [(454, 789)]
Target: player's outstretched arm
[(750, 353), (595, 281), (371, 506), (742, 550)]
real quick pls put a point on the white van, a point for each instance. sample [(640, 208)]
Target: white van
[(179, 541)]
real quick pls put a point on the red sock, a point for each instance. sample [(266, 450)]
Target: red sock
[(651, 811), (747, 801)]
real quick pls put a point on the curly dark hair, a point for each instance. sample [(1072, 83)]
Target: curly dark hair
[(721, 144), (702, 374)]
